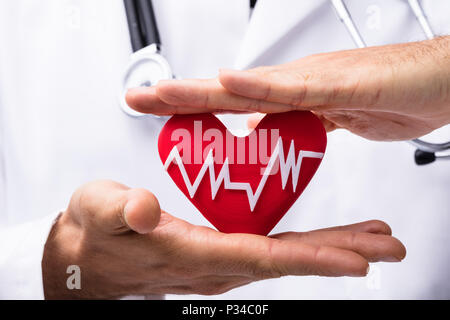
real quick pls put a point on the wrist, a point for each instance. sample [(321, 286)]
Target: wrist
[(57, 257), (441, 56), (70, 249)]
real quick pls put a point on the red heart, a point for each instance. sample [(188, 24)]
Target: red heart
[(231, 200)]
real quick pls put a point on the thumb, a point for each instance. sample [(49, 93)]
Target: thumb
[(115, 208), (141, 212), (254, 119)]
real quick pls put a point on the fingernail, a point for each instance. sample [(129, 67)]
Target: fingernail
[(367, 270), (125, 215), (391, 259), (147, 90)]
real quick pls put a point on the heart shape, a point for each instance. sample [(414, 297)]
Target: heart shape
[(243, 184)]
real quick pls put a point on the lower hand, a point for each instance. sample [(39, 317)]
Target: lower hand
[(394, 92), (125, 245)]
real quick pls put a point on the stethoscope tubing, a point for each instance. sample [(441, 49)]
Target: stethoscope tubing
[(347, 20), (142, 24), (429, 147), (133, 25)]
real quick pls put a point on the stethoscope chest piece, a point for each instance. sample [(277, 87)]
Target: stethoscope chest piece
[(146, 67)]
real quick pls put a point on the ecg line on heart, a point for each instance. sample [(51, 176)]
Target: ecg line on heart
[(286, 166)]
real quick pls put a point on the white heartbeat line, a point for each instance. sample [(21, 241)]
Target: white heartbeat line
[(286, 166)]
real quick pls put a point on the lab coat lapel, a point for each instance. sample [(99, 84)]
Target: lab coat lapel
[(270, 21)]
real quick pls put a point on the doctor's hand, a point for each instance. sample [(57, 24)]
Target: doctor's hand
[(394, 92), (125, 245)]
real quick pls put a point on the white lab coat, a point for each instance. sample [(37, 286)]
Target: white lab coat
[(61, 64)]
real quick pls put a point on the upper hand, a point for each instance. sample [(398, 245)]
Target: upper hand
[(394, 92), (124, 244)]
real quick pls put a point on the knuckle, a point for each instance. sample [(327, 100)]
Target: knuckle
[(88, 193), (352, 239), (268, 268), (255, 105), (303, 80), (352, 91), (206, 100), (333, 94), (83, 198), (266, 85), (317, 255), (267, 91), (374, 98)]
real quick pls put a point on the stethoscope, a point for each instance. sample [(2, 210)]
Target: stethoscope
[(147, 65), (426, 151)]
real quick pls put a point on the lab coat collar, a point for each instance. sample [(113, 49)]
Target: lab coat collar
[(270, 21)]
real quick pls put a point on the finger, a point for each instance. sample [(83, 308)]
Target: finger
[(329, 125), (209, 94), (373, 247), (201, 287), (302, 91), (114, 208), (204, 285), (263, 257), (254, 119), (371, 226), (145, 100)]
